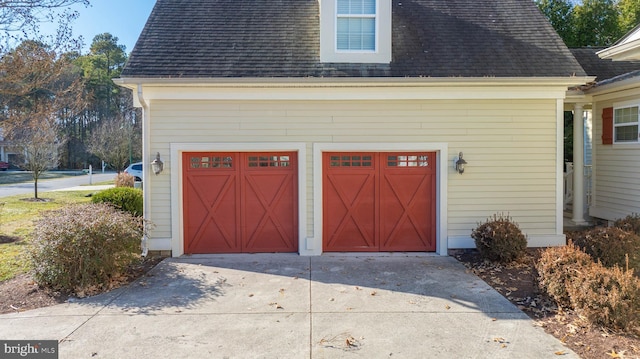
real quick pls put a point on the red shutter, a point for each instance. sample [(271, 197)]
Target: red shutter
[(607, 126)]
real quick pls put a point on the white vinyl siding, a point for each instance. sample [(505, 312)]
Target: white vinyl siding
[(616, 184), (510, 147)]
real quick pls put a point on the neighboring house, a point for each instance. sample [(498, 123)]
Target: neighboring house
[(307, 126), (615, 102), (8, 153)]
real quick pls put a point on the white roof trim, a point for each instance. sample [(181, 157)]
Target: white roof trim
[(623, 51), (626, 48), (318, 82)]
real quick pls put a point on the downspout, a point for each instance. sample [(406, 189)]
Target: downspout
[(145, 169)]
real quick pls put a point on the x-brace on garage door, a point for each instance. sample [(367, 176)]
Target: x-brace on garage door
[(240, 202), (379, 201)]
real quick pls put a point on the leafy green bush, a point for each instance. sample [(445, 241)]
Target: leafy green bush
[(611, 246), (557, 268), (607, 296), (499, 239), (123, 179), (125, 198), (85, 248)]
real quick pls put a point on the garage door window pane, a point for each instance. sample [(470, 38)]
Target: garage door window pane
[(350, 161), (269, 161), (408, 160), (208, 162)]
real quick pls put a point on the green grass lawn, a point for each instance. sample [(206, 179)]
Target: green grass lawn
[(17, 218)]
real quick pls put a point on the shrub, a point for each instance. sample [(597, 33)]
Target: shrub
[(607, 296), (124, 198), (558, 267), (611, 245), (629, 223), (123, 179), (499, 239), (85, 248)]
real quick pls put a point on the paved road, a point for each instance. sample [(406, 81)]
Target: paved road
[(53, 184)]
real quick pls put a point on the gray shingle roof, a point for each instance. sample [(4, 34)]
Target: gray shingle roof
[(603, 69), (280, 38)]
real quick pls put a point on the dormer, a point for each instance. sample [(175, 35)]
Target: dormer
[(355, 31)]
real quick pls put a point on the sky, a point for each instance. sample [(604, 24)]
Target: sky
[(123, 19)]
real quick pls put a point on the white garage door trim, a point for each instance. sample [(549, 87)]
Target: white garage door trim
[(313, 245), (177, 220)]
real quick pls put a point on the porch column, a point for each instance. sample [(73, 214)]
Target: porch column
[(578, 165)]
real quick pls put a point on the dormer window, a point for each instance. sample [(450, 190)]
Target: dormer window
[(356, 25), (355, 31)]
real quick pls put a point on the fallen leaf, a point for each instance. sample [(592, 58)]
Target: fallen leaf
[(447, 307), (561, 352), (613, 354), (374, 293), (350, 342)]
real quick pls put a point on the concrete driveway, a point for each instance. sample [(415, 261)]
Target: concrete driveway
[(287, 306)]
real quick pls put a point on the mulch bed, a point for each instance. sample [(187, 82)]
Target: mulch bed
[(518, 283)]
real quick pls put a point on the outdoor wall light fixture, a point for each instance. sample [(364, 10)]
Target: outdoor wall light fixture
[(458, 163), (157, 165)]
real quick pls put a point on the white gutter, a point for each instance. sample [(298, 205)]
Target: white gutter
[(145, 167), (319, 82)]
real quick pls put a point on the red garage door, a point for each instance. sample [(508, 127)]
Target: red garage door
[(240, 202), (379, 201)]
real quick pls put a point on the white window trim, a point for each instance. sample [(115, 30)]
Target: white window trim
[(375, 17), (328, 31), (622, 105)]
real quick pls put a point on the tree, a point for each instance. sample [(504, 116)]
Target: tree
[(18, 15), (591, 22), (37, 88), (596, 23), (559, 13), (116, 141), (629, 14), (116, 138), (21, 19), (40, 141), (105, 61)]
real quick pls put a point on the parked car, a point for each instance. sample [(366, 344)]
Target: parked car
[(135, 169), (4, 166)]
